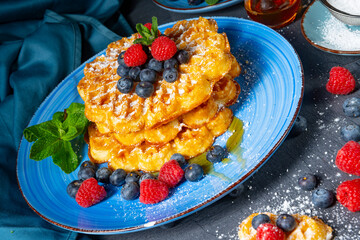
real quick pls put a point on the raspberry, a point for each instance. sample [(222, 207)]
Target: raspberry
[(163, 48), (135, 56), (348, 194), (268, 231), (341, 81), (153, 191), (348, 158), (171, 173), (90, 193)]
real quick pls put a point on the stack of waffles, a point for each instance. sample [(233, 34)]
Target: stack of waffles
[(134, 133)]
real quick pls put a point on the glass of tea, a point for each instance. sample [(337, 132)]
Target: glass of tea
[(273, 13)]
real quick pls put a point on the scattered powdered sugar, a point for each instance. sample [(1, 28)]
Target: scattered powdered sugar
[(348, 6), (339, 35)]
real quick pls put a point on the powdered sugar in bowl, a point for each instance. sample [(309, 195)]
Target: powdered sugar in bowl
[(347, 11)]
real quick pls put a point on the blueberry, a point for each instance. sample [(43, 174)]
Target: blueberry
[(171, 63), (182, 56), (130, 191), (194, 172), (132, 177), (307, 182), (121, 59), (351, 107), (322, 198), (103, 175), (286, 222), (155, 65), (125, 85), (237, 191), (134, 74), (299, 126), (350, 132), (144, 89), (73, 187), (117, 178), (259, 219), (123, 71), (179, 158), (146, 176), (86, 173), (216, 154), (195, 2), (89, 164), (170, 75), (148, 75)]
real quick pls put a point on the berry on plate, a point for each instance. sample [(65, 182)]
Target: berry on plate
[(90, 193), (135, 55), (268, 231), (350, 133), (182, 56), (155, 65), (103, 174), (351, 107), (171, 173), (341, 81), (134, 73), (146, 176), (194, 172), (348, 158), (163, 48), (73, 188), (307, 182), (132, 177), (170, 75), (148, 75), (216, 154), (348, 194), (153, 191), (89, 164), (179, 158), (171, 63), (123, 70), (86, 173), (322, 198), (117, 178), (130, 191), (286, 222), (260, 219)]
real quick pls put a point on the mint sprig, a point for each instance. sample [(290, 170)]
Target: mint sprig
[(211, 2), (148, 36), (54, 138)]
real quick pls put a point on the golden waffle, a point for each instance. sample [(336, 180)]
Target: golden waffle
[(210, 60), (225, 93), (307, 228), (148, 157)]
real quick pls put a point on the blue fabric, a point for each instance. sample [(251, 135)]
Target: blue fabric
[(41, 42)]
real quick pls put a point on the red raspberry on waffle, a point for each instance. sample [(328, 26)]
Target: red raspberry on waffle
[(163, 48), (135, 56), (268, 231)]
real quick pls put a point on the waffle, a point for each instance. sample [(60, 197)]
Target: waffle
[(149, 157), (307, 228), (210, 60), (225, 94)]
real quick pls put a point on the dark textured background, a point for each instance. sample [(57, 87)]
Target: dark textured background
[(273, 188)]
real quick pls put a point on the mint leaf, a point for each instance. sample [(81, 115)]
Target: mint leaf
[(52, 138), (44, 147), (154, 26), (148, 36), (66, 158), (45, 129), (211, 2)]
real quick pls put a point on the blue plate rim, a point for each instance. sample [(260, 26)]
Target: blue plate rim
[(204, 203), (334, 51), (208, 8)]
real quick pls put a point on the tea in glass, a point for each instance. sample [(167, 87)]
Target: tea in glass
[(273, 13)]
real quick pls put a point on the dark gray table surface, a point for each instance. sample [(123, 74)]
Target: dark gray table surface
[(273, 188)]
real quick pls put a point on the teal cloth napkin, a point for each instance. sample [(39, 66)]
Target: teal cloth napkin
[(41, 42)]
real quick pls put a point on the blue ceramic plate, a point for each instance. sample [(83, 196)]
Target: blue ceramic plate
[(272, 89), (182, 6), (317, 21)]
